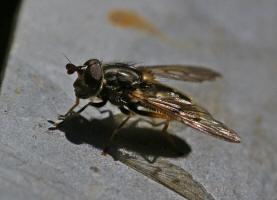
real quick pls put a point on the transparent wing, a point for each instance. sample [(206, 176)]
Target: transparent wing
[(179, 72), (178, 106), (170, 175)]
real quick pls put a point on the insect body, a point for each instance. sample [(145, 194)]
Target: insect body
[(134, 90)]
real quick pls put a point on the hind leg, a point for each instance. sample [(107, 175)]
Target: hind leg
[(161, 116)]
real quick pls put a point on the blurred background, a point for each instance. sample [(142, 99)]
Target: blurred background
[(234, 37)]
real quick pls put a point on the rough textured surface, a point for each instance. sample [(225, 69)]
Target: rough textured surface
[(236, 38)]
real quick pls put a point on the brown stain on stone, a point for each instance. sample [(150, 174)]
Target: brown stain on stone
[(92, 190), (17, 91), (130, 19), (36, 78)]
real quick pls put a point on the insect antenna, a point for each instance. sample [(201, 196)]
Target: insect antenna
[(71, 68), (67, 58)]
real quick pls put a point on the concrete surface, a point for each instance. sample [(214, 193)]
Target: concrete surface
[(236, 38)]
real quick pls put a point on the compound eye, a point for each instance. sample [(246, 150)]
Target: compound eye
[(94, 68), (92, 62)]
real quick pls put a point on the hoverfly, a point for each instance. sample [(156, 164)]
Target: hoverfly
[(135, 90)]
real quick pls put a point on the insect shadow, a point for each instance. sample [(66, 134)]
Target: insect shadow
[(147, 142)]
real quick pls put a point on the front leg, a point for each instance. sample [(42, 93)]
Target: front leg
[(62, 117), (69, 116)]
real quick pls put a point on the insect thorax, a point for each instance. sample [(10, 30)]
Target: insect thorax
[(119, 78)]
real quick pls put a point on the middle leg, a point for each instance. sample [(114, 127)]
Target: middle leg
[(125, 111)]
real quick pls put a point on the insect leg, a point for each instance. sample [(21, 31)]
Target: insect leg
[(165, 133), (125, 111), (158, 115), (61, 117), (98, 105)]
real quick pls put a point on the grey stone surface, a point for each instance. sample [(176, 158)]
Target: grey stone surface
[(236, 38)]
